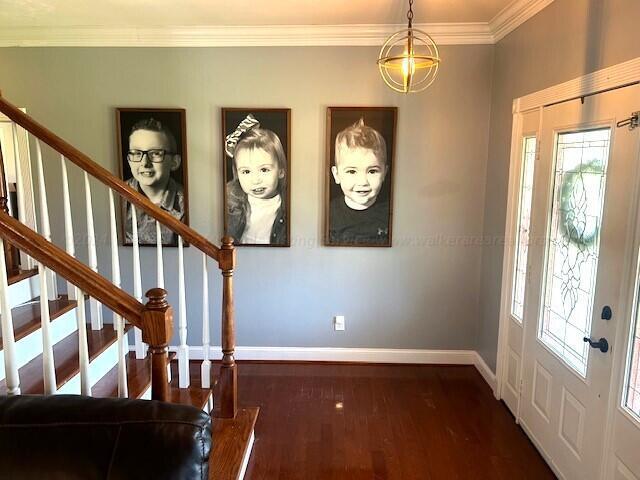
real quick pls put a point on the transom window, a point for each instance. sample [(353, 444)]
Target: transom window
[(524, 221), (573, 244)]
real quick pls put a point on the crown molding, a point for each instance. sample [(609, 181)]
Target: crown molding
[(514, 15), (484, 33), (236, 36)]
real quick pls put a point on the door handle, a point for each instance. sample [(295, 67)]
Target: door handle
[(601, 344)]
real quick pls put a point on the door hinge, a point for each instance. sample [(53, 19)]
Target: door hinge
[(632, 122)]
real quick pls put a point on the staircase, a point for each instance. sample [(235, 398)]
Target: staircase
[(53, 307)]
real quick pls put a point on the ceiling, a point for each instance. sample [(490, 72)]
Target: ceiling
[(113, 13), (215, 23)]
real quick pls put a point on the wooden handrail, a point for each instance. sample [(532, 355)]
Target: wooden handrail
[(56, 259), (106, 177), (155, 319)]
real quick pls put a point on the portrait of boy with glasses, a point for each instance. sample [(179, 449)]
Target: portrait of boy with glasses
[(154, 159)]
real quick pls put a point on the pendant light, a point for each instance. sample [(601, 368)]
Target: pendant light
[(409, 59)]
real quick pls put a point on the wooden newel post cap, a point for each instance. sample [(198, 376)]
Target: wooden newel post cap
[(157, 299), (227, 242), (157, 318)]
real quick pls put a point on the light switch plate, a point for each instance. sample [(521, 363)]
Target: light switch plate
[(338, 322)]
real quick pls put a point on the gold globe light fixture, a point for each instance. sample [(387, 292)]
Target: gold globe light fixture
[(409, 59)]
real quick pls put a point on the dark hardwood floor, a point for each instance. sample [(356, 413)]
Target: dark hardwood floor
[(324, 421)]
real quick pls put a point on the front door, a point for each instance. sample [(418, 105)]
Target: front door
[(580, 230)]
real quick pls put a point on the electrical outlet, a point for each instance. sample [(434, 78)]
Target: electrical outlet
[(338, 322)]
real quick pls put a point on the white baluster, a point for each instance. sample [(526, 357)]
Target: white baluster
[(141, 348), (205, 369), (20, 194), (160, 264), (52, 287), (48, 362), (118, 322), (83, 346), (68, 223), (183, 350), (94, 305), (12, 377)]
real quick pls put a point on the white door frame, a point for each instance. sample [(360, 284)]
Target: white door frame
[(27, 176), (623, 74)]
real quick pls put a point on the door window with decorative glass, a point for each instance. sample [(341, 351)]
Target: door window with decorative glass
[(573, 244)]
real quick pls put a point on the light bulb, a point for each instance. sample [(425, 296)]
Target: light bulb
[(408, 65)]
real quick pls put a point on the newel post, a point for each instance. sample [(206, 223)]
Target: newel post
[(228, 381), (157, 321)]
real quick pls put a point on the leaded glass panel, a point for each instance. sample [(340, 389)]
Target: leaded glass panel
[(524, 220), (574, 243)]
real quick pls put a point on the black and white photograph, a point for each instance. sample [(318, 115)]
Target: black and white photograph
[(153, 159), (257, 158), (359, 172)]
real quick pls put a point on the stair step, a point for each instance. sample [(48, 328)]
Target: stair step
[(66, 362), (232, 446), (23, 287), (138, 378), (195, 395), (26, 317), (22, 275)]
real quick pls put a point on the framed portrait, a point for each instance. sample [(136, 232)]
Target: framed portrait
[(359, 172), (256, 148), (152, 146)]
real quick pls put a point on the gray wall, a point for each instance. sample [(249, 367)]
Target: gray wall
[(567, 39), (422, 293)]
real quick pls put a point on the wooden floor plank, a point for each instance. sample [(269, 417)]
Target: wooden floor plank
[(387, 422)]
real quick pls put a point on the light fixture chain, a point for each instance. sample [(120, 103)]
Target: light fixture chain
[(410, 13)]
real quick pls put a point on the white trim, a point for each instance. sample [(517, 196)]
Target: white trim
[(486, 373), (331, 354), (247, 454), (611, 77), (514, 15), (236, 36), (364, 355), (455, 33)]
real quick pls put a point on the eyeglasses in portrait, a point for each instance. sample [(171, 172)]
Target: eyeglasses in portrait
[(359, 173), (153, 159), (256, 166)]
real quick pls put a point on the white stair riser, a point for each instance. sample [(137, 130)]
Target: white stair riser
[(24, 291), (29, 347), (98, 368)]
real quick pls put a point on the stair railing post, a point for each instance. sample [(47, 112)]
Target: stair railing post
[(157, 321), (228, 370)]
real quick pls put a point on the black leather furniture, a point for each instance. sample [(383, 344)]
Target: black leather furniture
[(74, 437)]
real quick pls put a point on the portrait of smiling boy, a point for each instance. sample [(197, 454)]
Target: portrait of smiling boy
[(359, 183), (151, 143)]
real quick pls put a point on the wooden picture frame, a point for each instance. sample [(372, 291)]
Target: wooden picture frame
[(154, 128), (360, 215), (268, 132)]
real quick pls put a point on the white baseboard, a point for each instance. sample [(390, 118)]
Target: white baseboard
[(486, 373), (330, 354), (365, 355)]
